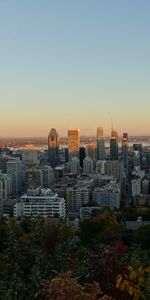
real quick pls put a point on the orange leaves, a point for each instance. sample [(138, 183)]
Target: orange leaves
[(134, 282), (65, 287)]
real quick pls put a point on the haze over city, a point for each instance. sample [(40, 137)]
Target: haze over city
[(74, 64)]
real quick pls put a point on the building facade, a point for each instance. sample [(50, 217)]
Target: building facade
[(101, 155), (73, 142), (40, 203), (53, 148)]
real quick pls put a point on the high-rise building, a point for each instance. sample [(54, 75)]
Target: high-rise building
[(34, 178), (5, 186), (30, 156), (114, 145), (15, 169), (108, 195), (145, 186), (77, 197), (3, 163), (88, 165), (139, 148), (5, 189), (91, 151), (136, 187), (53, 148), (125, 152), (113, 168), (136, 160), (74, 166), (101, 155), (73, 142), (82, 155), (48, 176)]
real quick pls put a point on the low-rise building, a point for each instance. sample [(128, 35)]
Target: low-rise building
[(43, 203)]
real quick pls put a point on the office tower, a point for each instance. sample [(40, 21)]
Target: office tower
[(48, 176), (77, 197), (5, 186), (74, 166), (125, 152), (5, 189), (145, 186), (91, 151), (139, 148), (3, 163), (82, 155), (136, 187), (88, 165), (147, 159), (34, 178), (100, 144), (136, 160), (15, 169), (114, 145), (30, 156), (66, 155), (108, 195), (100, 166), (113, 168), (53, 148), (73, 142)]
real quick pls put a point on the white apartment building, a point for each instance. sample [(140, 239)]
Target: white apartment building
[(40, 203), (108, 196)]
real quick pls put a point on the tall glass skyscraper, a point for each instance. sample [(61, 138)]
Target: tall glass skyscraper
[(114, 145), (101, 155), (125, 152), (53, 147), (73, 142)]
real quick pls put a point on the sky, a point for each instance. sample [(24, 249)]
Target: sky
[(74, 64)]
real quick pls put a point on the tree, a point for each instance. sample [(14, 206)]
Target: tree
[(65, 287), (135, 283)]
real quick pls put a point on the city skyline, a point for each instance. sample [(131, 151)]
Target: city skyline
[(74, 64)]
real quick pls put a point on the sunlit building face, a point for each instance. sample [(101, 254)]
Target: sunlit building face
[(101, 155), (53, 139), (100, 133), (73, 142), (53, 147)]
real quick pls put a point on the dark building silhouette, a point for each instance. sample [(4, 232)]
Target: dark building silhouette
[(82, 155), (101, 155), (114, 145), (125, 152), (53, 148), (66, 155)]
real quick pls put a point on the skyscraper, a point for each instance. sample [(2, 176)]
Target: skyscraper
[(73, 142), (82, 155), (15, 169), (125, 152), (139, 148), (101, 155), (114, 145), (53, 147)]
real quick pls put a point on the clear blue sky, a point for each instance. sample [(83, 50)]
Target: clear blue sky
[(74, 63)]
